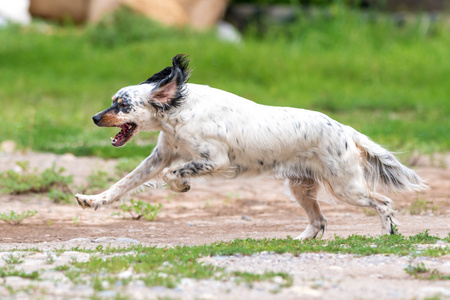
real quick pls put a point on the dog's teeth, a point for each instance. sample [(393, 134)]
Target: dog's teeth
[(112, 139)]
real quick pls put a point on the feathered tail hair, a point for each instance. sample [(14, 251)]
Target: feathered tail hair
[(383, 168)]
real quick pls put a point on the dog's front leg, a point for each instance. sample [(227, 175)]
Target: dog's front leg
[(177, 178), (149, 168)]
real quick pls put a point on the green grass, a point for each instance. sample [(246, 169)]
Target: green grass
[(418, 206), (161, 267), (167, 266), (13, 259), (397, 244), (99, 180), (28, 181), (14, 218), (388, 82), (419, 271), (140, 209), (5, 272)]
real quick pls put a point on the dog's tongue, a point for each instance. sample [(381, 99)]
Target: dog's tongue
[(117, 141)]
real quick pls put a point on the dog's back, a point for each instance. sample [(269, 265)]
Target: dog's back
[(287, 142)]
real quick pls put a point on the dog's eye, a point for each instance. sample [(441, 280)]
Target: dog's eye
[(123, 105)]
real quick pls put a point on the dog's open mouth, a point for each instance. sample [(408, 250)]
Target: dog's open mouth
[(124, 135)]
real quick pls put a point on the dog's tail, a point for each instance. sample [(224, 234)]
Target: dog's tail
[(383, 168)]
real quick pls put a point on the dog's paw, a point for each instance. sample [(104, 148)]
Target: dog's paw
[(169, 175), (183, 187), (90, 201), (312, 231), (179, 185)]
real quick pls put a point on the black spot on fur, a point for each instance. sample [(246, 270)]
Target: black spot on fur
[(329, 150), (231, 155), (346, 146), (195, 168), (327, 120), (205, 154), (156, 156), (184, 172), (239, 169), (275, 164)]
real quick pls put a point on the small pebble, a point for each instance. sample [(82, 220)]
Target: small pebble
[(246, 218), (126, 240), (103, 240), (79, 240), (107, 294), (125, 274)]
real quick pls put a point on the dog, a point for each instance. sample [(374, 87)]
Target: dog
[(206, 132)]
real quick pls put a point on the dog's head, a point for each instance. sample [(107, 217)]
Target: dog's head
[(135, 107)]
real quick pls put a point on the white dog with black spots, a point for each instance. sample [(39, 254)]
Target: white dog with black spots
[(206, 132)]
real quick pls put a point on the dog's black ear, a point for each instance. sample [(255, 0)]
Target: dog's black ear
[(158, 76), (170, 86)]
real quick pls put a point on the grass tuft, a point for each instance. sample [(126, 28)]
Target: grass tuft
[(419, 271), (14, 218), (140, 209), (12, 182), (6, 272)]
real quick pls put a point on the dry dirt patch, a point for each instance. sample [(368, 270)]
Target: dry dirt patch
[(224, 211), (211, 211)]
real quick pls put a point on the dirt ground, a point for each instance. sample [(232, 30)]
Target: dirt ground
[(219, 211), (211, 211)]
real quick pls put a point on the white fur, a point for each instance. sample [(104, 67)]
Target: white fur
[(215, 133)]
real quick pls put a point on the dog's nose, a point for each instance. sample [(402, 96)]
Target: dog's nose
[(96, 119)]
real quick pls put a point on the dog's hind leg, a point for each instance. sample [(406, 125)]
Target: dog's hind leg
[(305, 193), (383, 206), (355, 193)]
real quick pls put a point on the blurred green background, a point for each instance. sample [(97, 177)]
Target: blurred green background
[(388, 81)]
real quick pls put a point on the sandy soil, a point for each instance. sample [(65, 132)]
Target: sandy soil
[(219, 211), (211, 211)]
